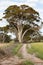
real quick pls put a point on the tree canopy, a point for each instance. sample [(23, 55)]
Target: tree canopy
[(22, 20)]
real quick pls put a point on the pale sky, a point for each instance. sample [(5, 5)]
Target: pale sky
[(36, 4)]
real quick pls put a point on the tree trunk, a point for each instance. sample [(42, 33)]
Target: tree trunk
[(3, 38), (20, 36)]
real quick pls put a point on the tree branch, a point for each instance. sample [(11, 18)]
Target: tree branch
[(25, 32)]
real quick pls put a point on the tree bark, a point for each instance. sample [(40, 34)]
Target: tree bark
[(20, 36), (20, 29)]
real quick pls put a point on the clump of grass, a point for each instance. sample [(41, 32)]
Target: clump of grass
[(26, 63), (16, 48)]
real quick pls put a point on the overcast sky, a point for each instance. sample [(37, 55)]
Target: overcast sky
[(36, 4)]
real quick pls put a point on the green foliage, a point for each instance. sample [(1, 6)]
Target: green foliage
[(7, 38), (5, 28), (26, 63), (16, 49), (4, 38), (21, 12), (21, 18)]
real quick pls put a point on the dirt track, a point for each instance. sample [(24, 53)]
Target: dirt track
[(29, 56), (13, 60)]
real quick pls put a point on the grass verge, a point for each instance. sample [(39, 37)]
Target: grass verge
[(37, 49), (15, 50)]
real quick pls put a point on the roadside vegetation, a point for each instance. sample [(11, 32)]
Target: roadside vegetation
[(36, 49), (26, 62), (10, 48), (16, 49)]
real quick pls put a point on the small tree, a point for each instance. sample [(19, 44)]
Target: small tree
[(3, 32), (22, 20)]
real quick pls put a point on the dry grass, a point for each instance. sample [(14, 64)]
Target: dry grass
[(2, 45)]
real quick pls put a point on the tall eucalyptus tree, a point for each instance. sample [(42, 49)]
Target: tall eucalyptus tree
[(22, 19)]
